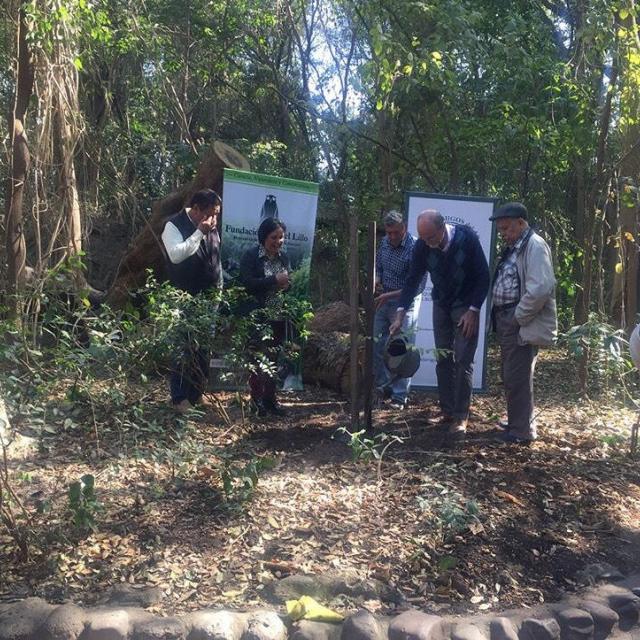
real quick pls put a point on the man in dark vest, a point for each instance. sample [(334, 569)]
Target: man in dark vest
[(454, 258), (192, 245)]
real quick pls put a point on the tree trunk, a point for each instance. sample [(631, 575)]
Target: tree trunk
[(20, 160), (65, 144), (630, 179), (581, 309), (354, 326), (146, 251)]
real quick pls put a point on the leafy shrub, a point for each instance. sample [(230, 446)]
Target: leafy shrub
[(83, 503), (447, 510), (601, 353), (367, 448)]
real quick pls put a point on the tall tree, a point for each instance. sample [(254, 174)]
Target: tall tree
[(20, 160)]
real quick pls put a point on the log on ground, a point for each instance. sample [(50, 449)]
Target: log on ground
[(326, 360)]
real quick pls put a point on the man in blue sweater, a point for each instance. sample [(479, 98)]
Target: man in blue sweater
[(452, 255)]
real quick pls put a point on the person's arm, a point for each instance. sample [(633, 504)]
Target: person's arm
[(480, 287), (287, 265), (540, 281), (383, 298), (252, 277), (178, 249), (470, 319), (417, 271)]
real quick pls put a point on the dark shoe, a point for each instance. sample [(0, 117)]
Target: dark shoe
[(503, 424), (382, 396), (398, 405), (274, 407), (257, 408), (510, 438)]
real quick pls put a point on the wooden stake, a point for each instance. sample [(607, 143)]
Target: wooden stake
[(370, 316), (354, 324)]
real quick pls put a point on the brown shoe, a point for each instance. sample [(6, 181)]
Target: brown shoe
[(458, 427)]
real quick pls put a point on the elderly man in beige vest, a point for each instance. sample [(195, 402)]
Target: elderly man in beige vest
[(523, 313)]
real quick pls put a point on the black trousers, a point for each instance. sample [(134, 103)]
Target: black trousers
[(262, 383), (189, 375), (454, 365)]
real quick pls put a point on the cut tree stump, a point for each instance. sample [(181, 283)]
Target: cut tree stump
[(334, 316), (326, 359), (146, 250)]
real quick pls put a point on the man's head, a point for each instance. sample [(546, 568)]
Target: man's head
[(204, 204), (394, 228), (511, 221), (431, 228)]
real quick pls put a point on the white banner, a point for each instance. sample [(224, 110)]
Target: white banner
[(249, 198), (474, 212)]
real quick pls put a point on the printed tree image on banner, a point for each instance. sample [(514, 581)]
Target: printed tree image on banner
[(249, 198)]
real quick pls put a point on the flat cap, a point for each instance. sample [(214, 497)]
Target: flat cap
[(510, 210)]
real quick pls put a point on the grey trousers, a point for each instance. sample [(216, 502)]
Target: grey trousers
[(454, 367), (518, 364)]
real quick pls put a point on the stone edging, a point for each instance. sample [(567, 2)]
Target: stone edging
[(605, 611)]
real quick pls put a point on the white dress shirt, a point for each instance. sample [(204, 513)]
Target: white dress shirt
[(178, 249)]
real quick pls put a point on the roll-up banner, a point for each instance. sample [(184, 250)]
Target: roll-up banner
[(471, 211), (248, 199)]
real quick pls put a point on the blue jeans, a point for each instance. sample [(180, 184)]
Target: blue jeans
[(383, 319)]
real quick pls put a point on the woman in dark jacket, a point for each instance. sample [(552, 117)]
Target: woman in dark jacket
[(264, 272)]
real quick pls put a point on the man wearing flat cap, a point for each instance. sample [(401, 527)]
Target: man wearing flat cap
[(523, 313)]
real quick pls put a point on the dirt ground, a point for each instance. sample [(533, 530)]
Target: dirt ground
[(475, 527)]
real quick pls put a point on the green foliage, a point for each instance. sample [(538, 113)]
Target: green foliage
[(74, 371), (617, 442), (83, 503), (366, 448), (604, 349), (451, 512), (239, 481), (434, 107)]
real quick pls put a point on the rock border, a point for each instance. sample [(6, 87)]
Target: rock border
[(601, 612)]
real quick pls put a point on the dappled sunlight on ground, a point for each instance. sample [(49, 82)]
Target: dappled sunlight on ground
[(215, 513)]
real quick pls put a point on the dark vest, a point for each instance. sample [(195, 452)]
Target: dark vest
[(202, 270)]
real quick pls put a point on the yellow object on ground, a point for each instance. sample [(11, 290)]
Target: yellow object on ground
[(306, 608)]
